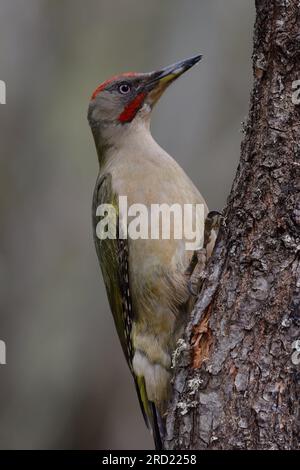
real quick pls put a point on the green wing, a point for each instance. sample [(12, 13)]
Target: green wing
[(113, 255), (113, 258)]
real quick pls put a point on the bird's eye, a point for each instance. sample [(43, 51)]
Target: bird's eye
[(124, 88)]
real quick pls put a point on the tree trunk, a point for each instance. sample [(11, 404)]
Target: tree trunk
[(237, 371)]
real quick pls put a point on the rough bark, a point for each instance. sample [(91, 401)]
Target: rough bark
[(237, 371)]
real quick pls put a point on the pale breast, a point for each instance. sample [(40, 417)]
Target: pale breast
[(156, 267)]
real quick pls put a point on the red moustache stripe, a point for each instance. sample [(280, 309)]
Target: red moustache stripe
[(132, 108)]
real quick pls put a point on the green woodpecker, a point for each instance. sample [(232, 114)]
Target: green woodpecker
[(145, 279)]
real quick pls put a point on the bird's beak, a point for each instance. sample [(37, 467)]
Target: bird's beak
[(157, 82)]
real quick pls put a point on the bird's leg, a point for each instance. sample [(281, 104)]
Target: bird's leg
[(196, 268), (212, 224)]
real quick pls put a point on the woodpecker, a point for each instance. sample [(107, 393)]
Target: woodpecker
[(145, 279)]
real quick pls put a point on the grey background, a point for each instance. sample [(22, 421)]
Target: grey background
[(66, 383)]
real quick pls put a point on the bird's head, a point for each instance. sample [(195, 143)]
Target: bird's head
[(119, 102)]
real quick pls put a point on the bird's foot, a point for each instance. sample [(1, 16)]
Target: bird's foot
[(198, 274)]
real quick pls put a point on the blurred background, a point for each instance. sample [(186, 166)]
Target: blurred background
[(66, 383)]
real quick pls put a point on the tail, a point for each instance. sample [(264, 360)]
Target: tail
[(151, 414), (158, 427)]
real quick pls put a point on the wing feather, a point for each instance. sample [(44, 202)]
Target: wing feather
[(113, 258)]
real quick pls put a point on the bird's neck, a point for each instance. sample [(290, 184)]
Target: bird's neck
[(123, 138)]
